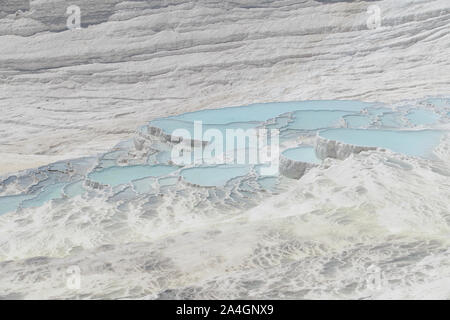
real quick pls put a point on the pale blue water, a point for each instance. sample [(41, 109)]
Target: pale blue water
[(74, 189), (268, 183), (279, 123), (378, 111), (51, 192), (264, 111), (391, 120), (11, 203), (170, 125), (292, 118), (312, 120), (214, 176), (115, 176), (168, 181), (412, 143), (422, 117), (163, 156), (303, 154), (357, 121), (107, 163), (145, 185)]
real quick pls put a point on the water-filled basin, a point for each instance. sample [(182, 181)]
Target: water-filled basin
[(214, 175), (419, 143), (302, 154), (115, 176), (422, 117)]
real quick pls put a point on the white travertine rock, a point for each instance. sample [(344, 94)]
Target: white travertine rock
[(65, 93), (294, 169), (134, 61), (326, 148)]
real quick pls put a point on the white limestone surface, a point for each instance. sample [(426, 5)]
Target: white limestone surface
[(374, 225), (66, 93)]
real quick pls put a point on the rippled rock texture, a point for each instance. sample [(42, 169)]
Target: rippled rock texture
[(326, 148), (373, 225), (293, 169), (133, 61)]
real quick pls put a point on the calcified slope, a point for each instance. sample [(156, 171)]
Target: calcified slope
[(332, 234), (374, 225), (137, 60), (324, 237)]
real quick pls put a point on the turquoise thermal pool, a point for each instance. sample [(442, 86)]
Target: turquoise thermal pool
[(413, 143), (263, 111), (214, 176), (357, 121), (316, 114), (74, 189), (422, 117), (51, 192), (12, 203), (152, 171), (115, 176), (302, 154), (312, 120)]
